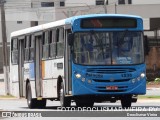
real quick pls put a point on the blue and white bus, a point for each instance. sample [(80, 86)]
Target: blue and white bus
[(86, 59)]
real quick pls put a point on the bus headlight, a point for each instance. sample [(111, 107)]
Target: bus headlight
[(143, 75), (133, 80), (78, 75), (139, 78), (89, 81), (83, 79)]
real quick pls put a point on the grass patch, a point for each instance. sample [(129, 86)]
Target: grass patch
[(148, 97), (6, 96)]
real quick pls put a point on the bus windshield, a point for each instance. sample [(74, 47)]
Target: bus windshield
[(108, 48)]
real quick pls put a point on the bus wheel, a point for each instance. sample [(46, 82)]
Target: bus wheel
[(31, 102), (126, 101), (41, 103), (64, 101)]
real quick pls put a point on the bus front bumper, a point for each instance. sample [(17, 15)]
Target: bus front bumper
[(85, 88)]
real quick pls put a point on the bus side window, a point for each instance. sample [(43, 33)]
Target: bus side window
[(60, 42), (26, 49), (45, 45), (14, 51), (53, 43), (31, 49)]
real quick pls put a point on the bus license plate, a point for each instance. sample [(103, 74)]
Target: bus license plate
[(112, 88)]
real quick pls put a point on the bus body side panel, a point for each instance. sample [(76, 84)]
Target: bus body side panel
[(32, 83), (29, 74), (48, 82), (51, 70), (49, 88), (14, 80)]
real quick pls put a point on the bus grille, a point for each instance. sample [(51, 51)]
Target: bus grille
[(110, 81), (110, 70)]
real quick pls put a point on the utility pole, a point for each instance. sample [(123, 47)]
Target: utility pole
[(115, 8), (105, 6), (4, 43)]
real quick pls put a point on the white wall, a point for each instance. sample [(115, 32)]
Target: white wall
[(37, 3), (146, 1), (51, 14), (13, 26), (26, 16), (79, 2), (86, 2)]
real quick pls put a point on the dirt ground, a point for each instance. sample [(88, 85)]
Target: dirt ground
[(153, 84)]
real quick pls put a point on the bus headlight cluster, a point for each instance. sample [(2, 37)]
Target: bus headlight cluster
[(83, 79), (142, 75), (89, 81), (78, 75), (133, 80)]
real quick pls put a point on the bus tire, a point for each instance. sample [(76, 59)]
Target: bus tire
[(30, 101), (41, 103), (64, 101), (126, 101)]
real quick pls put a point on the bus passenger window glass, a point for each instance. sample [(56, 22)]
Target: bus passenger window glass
[(53, 44), (60, 42), (15, 44), (14, 51), (53, 36), (61, 35), (26, 49), (31, 49), (46, 37), (45, 47)]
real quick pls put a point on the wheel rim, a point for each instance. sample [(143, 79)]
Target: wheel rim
[(61, 95), (29, 96), (29, 101)]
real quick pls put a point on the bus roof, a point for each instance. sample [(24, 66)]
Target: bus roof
[(72, 19), (65, 21), (38, 28)]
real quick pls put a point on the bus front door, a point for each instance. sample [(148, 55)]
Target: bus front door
[(21, 67), (38, 56)]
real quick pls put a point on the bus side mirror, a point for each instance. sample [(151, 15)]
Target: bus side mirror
[(70, 39), (146, 45)]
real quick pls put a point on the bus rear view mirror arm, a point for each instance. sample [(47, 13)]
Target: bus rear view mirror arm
[(70, 39)]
